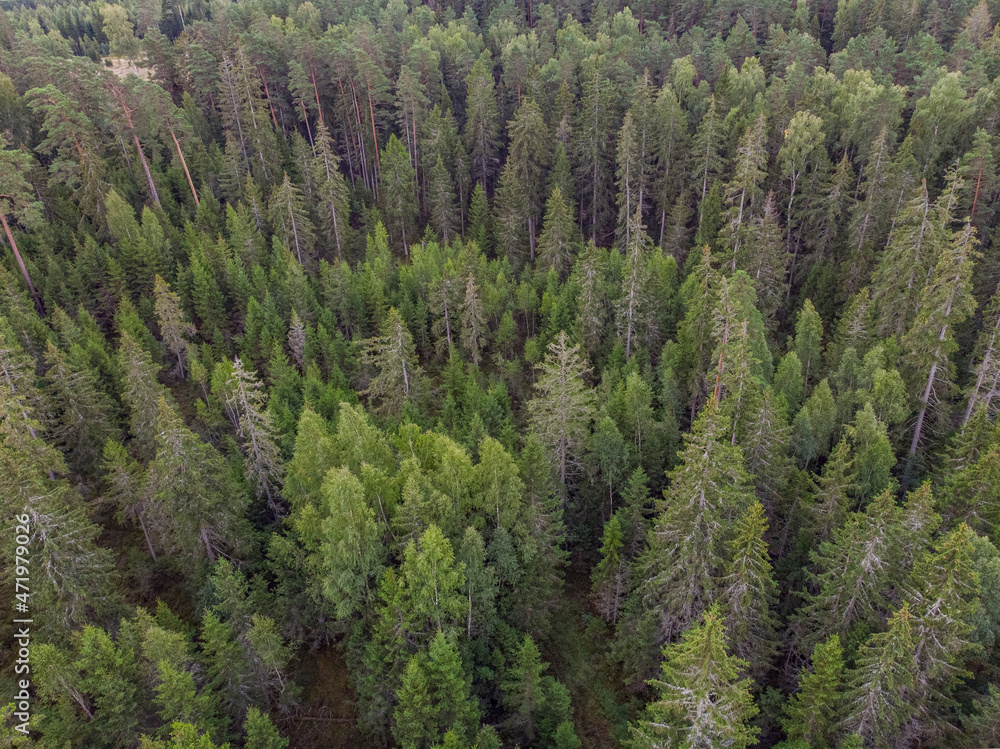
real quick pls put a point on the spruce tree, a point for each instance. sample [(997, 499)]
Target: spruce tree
[(290, 221), (877, 703), (174, 328), (748, 591), (398, 193), (558, 244), (397, 375), (702, 701), (562, 411), (811, 713)]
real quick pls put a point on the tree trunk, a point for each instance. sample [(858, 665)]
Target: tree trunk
[(20, 262), (184, 164)]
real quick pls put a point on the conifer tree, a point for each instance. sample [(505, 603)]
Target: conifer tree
[(702, 701), (876, 703), (199, 507), (593, 146), (610, 576), (748, 590), (706, 150), (523, 695), (558, 243), (397, 377), (944, 303), (18, 203), (809, 340), (141, 393), (434, 698), (256, 431), (687, 547), (811, 713), (83, 415), (331, 195), (482, 122), (743, 192), (562, 411), (398, 192), (174, 328), (290, 221), (634, 276), (590, 273), (441, 203), (473, 319)]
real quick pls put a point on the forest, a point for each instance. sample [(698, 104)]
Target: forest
[(495, 374)]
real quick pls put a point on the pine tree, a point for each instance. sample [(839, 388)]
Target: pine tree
[(256, 431), (748, 590), (174, 328), (562, 411), (702, 701), (811, 713), (397, 378)]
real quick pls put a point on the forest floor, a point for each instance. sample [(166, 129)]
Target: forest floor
[(577, 657)]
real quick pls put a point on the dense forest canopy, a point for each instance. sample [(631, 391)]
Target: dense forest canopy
[(502, 374)]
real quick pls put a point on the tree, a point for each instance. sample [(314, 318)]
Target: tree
[(635, 272), (706, 149), (434, 581), (593, 145), (255, 429), (441, 203), (748, 590), (522, 690), (18, 203), (174, 328), (562, 411), (558, 244), (528, 159), (261, 733), (702, 701), (434, 698), (876, 703), (199, 507), (350, 543), (291, 224), (811, 713), (398, 191), (610, 577), (332, 193), (945, 302), (397, 377), (482, 122), (687, 552), (473, 319), (743, 192)]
